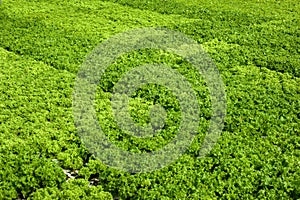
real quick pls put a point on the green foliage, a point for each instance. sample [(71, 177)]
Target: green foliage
[(265, 33), (36, 128), (143, 98), (255, 46), (74, 189)]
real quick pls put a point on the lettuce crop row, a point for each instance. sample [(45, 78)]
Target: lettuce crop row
[(254, 45), (267, 32), (36, 130)]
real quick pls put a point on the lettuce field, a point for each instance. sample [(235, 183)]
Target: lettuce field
[(255, 44)]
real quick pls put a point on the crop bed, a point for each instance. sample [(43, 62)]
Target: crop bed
[(256, 47)]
